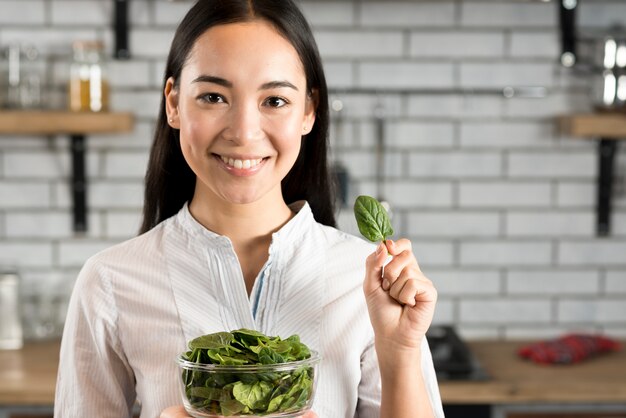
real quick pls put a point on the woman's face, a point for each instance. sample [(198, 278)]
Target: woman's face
[(241, 106)]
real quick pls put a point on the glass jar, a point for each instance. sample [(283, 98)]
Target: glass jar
[(10, 322), (89, 88)]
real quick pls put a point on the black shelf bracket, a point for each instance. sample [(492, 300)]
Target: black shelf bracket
[(79, 183), (607, 149), (567, 24), (120, 26)]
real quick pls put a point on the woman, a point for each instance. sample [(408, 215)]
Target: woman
[(239, 232)]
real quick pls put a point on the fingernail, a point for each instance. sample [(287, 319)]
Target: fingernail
[(379, 249), (385, 284)]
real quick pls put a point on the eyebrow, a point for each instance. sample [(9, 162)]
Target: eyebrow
[(225, 83)]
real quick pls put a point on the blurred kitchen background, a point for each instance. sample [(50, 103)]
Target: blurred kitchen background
[(446, 109)]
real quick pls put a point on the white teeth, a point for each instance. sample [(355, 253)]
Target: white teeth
[(241, 164)]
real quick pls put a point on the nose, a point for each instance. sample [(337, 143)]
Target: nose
[(244, 124)]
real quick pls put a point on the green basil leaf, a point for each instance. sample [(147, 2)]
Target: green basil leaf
[(372, 219)]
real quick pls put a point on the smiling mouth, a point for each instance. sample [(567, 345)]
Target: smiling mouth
[(240, 164)]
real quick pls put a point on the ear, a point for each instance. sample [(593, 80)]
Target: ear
[(171, 103), (310, 109)]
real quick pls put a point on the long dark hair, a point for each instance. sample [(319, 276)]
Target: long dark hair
[(169, 181)]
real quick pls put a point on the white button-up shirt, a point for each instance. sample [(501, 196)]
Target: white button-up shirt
[(136, 304)]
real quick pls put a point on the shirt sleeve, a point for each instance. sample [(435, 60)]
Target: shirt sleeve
[(430, 380), (94, 377), (370, 386), (368, 404)]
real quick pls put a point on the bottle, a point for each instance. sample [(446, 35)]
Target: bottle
[(89, 89)]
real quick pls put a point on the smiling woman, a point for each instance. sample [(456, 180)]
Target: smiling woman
[(238, 232)]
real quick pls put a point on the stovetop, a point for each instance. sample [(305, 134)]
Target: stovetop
[(452, 358)]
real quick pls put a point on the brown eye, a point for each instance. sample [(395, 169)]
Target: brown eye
[(275, 101), (212, 98)]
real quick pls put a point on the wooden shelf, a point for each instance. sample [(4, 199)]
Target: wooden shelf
[(594, 125), (43, 122)]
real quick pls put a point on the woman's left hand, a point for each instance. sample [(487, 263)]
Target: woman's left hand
[(400, 299)]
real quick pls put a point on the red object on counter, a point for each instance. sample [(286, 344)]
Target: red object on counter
[(571, 348)]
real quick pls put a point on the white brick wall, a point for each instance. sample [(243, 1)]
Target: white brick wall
[(499, 206)]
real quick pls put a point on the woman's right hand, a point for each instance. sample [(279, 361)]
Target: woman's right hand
[(179, 412)]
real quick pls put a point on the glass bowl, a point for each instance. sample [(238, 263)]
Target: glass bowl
[(255, 390)]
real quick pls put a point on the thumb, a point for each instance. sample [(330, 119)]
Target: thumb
[(374, 269)]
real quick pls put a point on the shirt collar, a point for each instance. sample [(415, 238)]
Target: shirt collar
[(293, 231)]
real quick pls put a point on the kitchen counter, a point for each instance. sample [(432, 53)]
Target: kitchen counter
[(27, 377), (515, 380)]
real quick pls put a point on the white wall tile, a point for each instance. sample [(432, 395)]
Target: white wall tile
[(22, 12), (550, 224), (455, 164), (121, 194), (363, 164), (535, 44), (22, 194), (559, 164), (51, 164), (144, 104), (508, 15), (544, 332), (504, 194), (328, 13), (431, 254), (338, 74), (50, 225), (50, 40), (589, 310), (463, 282), (453, 224), (359, 44), (74, 253), (402, 74), (615, 281), (26, 253), (150, 43), (444, 312), (81, 13), (129, 73), (554, 104), (504, 311), (420, 134), (600, 14), (406, 14), (505, 253), (455, 106), (416, 194), (170, 14), (607, 252), (456, 44), (504, 74), (140, 138), (122, 225), (477, 332), (513, 134), (552, 282), (125, 165), (581, 194)]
